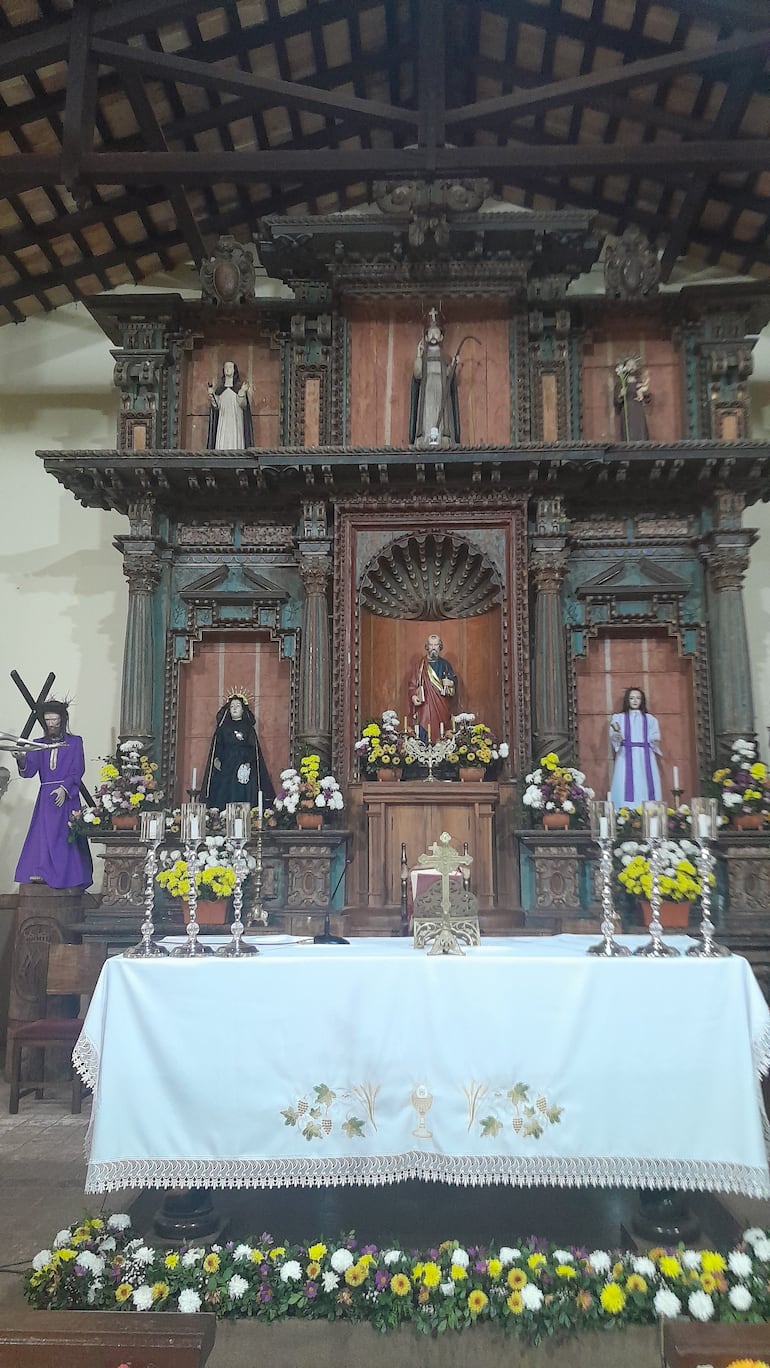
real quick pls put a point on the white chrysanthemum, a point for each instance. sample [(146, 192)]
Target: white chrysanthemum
[(460, 1258), (700, 1306), (739, 1297), (330, 1282), (237, 1286), (644, 1266), (691, 1258), (189, 1300), (600, 1261), (753, 1235), (107, 1244), (242, 1253), (41, 1260), (507, 1255), (762, 1251), (739, 1263), (142, 1297), (563, 1256), (568, 805), (503, 750), (447, 1288), (290, 1271), (62, 1238), (532, 1297), (341, 1259), (392, 1256), (93, 1262), (94, 1290), (119, 1221), (144, 1255), (192, 1256), (667, 1303)]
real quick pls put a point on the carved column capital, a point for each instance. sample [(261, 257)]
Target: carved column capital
[(142, 569), (315, 570), (726, 554), (548, 566)]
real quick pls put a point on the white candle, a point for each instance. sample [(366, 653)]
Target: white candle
[(609, 796), (194, 780), (654, 828), (704, 826), (441, 729), (153, 828), (260, 806), (238, 829), (603, 828), (676, 777), (193, 828)]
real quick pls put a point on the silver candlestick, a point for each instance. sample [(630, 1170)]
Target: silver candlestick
[(429, 753), (258, 914), (704, 829), (237, 826), (152, 831), (193, 832), (603, 832), (654, 828)]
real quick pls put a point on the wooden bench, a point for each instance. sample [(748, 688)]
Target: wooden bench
[(105, 1339)]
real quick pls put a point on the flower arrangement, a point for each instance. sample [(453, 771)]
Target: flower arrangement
[(628, 822), (380, 745), (678, 878), (128, 784), (475, 746), (743, 786), (215, 878), (304, 790), (554, 787), (530, 1288)]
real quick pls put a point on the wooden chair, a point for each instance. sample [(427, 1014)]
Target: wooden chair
[(72, 969)]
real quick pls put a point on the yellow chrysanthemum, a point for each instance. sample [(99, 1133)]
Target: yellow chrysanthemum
[(758, 772), (636, 1283), (431, 1275), (63, 1256), (458, 1274), (316, 1252), (366, 1260), (708, 1282), (517, 1279), (494, 1268), (123, 1292), (257, 1256), (613, 1298), (536, 1260), (355, 1275), (211, 1263), (565, 1271), (670, 1267), (276, 1253), (313, 1268), (477, 1300), (400, 1284), (171, 1260), (81, 1234), (515, 1303), (160, 1290), (95, 1223), (711, 1262), (748, 1363)]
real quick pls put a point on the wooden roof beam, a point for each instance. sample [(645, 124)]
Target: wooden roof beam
[(80, 98), (581, 89), (262, 91), (431, 77), (153, 134)]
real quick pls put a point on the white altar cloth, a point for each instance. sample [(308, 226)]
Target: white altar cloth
[(524, 1062)]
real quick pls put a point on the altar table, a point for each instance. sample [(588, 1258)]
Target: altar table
[(523, 1062)]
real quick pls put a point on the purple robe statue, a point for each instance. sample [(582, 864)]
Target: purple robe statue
[(47, 854)]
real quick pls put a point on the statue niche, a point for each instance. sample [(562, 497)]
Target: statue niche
[(427, 585)]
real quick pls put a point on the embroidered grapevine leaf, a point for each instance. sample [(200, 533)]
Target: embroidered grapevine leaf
[(490, 1125), (519, 1093), (354, 1127), (291, 1116), (324, 1095)]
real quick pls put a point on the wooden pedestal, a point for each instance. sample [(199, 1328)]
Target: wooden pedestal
[(417, 813)]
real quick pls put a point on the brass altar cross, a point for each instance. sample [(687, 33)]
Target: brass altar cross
[(441, 927)]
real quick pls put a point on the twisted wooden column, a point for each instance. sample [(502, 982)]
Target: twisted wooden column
[(314, 722)]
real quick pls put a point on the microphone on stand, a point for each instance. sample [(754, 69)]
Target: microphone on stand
[(326, 937)]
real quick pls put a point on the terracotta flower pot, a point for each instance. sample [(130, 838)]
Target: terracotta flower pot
[(389, 775), (671, 913), (470, 774), (209, 911), (310, 821), (556, 821), (748, 821), (126, 821)]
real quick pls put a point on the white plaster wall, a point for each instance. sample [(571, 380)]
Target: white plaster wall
[(62, 592)]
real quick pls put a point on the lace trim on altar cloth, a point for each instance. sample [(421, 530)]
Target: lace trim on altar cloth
[(465, 1171), (85, 1060)]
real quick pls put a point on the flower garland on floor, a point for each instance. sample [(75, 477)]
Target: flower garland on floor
[(534, 1288)]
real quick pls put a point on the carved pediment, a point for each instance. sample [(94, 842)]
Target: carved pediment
[(634, 579), (231, 584)]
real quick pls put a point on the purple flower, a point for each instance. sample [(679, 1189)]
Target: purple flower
[(370, 1249), (265, 1294), (480, 1266), (381, 1279), (264, 1270), (80, 1270), (311, 1290)]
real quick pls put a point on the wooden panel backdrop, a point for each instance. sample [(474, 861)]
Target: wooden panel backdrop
[(222, 661), (391, 650), (258, 363), (615, 662), (601, 422)]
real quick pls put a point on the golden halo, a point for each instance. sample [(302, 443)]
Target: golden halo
[(238, 691)]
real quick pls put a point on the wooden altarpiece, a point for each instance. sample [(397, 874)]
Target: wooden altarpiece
[(599, 562)]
